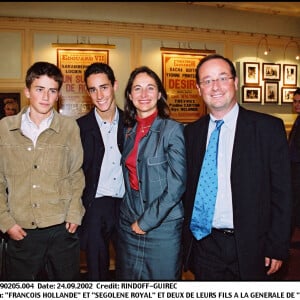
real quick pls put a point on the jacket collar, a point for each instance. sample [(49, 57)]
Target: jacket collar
[(14, 122), (155, 127)]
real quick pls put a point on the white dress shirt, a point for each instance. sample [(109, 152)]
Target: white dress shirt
[(111, 182), (223, 217)]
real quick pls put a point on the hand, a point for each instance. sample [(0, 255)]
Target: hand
[(273, 264), (16, 233), (136, 228), (71, 227)]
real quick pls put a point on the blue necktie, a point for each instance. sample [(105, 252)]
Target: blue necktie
[(206, 193)]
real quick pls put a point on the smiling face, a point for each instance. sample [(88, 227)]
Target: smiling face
[(218, 94), (102, 93), (42, 94), (144, 95)]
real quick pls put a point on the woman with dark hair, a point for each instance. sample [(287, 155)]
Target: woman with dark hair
[(154, 167)]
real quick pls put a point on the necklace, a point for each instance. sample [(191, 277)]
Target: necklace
[(144, 127)]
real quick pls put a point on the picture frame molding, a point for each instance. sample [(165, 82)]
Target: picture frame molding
[(290, 91), (15, 95), (266, 76), (246, 98), (275, 85), (251, 68), (293, 80)]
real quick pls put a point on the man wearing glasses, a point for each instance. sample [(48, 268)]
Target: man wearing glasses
[(246, 236)]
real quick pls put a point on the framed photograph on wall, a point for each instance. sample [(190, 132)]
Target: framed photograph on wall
[(271, 92), (251, 73), (289, 75), (10, 104), (271, 71), (287, 94), (251, 94)]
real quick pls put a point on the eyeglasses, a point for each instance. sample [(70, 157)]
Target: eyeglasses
[(222, 80)]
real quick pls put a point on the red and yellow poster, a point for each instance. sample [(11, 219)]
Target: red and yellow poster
[(179, 79), (74, 100)]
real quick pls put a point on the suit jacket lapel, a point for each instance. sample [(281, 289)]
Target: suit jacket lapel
[(241, 139), (95, 132), (197, 147), (200, 145)]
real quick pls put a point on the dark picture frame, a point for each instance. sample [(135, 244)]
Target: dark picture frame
[(290, 75), (251, 73), (287, 94), (12, 101), (271, 92), (271, 71), (251, 94)]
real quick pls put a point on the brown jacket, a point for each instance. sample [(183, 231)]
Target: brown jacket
[(45, 182)]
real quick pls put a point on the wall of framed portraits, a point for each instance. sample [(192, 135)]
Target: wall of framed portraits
[(265, 82), (269, 83)]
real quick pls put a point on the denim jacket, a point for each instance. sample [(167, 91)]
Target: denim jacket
[(161, 171), (40, 186)]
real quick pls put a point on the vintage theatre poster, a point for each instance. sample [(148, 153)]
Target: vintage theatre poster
[(74, 100), (179, 71)]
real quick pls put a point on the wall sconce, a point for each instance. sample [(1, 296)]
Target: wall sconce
[(297, 51), (267, 48)]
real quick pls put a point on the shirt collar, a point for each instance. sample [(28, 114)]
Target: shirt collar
[(46, 122), (230, 118), (101, 121)]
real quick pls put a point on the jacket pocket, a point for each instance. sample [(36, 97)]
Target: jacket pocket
[(16, 161), (55, 160), (157, 168)]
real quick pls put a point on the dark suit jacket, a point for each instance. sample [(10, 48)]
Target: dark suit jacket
[(261, 189), (294, 140), (93, 152)]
